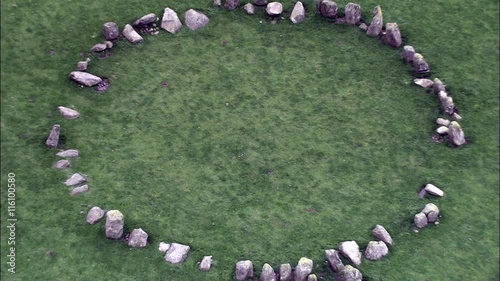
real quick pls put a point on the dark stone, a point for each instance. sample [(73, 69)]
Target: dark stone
[(231, 4), (53, 139), (110, 31), (327, 8)]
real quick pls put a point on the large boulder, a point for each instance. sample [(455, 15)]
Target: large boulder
[(434, 190), (393, 35), (145, 20), (79, 189), (244, 269), (249, 8), (352, 13), (420, 220), (114, 224), (138, 238), (274, 8), (95, 215), (195, 20), (170, 21), (381, 234), (69, 153), (456, 134), (131, 35), (267, 273), (431, 211), (68, 113), (351, 273), (420, 65), (177, 253), (231, 4), (350, 250), (332, 256), (110, 30), (85, 78), (53, 138), (298, 13), (327, 8), (375, 250), (303, 269), (62, 164), (76, 179), (377, 23), (286, 272), (206, 263)]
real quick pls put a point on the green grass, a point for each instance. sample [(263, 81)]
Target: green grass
[(280, 143)]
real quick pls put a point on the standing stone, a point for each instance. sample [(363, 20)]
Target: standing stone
[(424, 83), (268, 273), (95, 215), (352, 13), (114, 224), (260, 2), (138, 238), (85, 78), (327, 8), (446, 103), (244, 269), (163, 247), (351, 273), (303, 269), (420, 220), (145, 20), (434, 190), (69, 153), (431, 211), (62, 164), (170, 21), (408, 53), (286, 272), (332, 256), (420, 66), (177, 253), (131, 35), (76, 179), (206, 263), (231, 4), (53, 138), (381, 234), (456, 134), (377, 23), (110, 31), (375, 250), (274, 8), (217, 3), (298, 13), (393, 35), (438, 86), (350, 250), (249, 8), (68, 113), (195, 20), (79, 190)]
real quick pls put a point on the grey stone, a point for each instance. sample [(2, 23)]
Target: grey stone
[(163, 247), (85, 78), (217, 3), (327, 8), (249, 8), (443, 130), (332, 256), (393, 35), (145, 20), (438, 86), (377, 23), (286, 272), (420, 220), (79, 189), (110, 31), (352, 13), (76, 179), (69, 153), (298, 13), (99, 47), (62, 164), (443, 122), (424, 83), (138, 238), (170, 21), (431, 211), (274, 8), (53, 138), (446, 103), (375, 250), (206, 263), (420, 66), (114, 224), (95, 215), (350, 250), (177, 253), (68, 113), (244, 270), (231, 4), (131, 35), (408, 53), (303, 269), (381, 234), (267, 273), (434, 190), (195, 20), (456, 134), (109, 44), (351, 273)]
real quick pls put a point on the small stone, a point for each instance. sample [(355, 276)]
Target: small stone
[(381, 234), (68, 113), (443, 130), (114, 224), (95, 215), (109, 44), (76, 179), (244, 269), (217, 3), (424, 83), (434, 190), (334, 260), (312, 277), (206, 263), (443, 122), (69, 153), (82, 66), (260, 2), (79, 190), (303, 269), (99, 47), (163, 247), (267, 273), (62, 164), (420, 220), (138, 238), (363, 26), (249, 8), (177, 253), (375, 250), (286, 272), (350, 250), (53, 138), (456, 117), (132, 35), (298, 13)]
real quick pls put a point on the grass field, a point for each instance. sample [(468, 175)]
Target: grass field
[(271, 142)]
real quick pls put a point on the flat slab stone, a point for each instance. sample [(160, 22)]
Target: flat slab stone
[(332, 256), (177, 253), (85, 78), (69, 153), (381, 234), (79, 189), (68, 113), (424, 83), (76, 179), (62, 164), (145, 20), (350, 250), (131, 35), (434, 190)]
